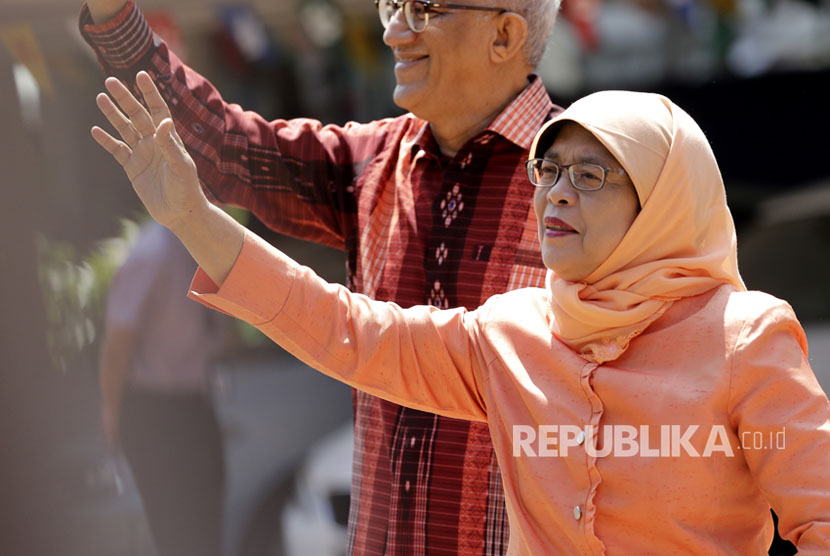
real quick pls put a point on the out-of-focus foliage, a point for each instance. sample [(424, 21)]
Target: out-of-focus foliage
[(75, 291)]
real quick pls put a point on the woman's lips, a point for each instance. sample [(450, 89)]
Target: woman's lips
[(554, 227)]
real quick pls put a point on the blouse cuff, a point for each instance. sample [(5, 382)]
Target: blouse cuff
[(257, 287)]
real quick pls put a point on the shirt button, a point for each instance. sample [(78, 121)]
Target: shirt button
[(577, 512), (580, 438)]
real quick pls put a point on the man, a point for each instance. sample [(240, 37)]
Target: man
[(431, 207)]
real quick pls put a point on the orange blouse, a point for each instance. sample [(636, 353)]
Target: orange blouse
[(680, 446)]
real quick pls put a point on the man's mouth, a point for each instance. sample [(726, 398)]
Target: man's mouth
[(408, 58)]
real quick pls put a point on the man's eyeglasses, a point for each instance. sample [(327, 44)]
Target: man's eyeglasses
[(585, 176), (417, 11)]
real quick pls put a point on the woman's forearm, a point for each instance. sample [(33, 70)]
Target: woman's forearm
[(213, 238)]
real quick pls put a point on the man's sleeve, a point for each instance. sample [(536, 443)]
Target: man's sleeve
[(297, 176), (775, 394), (418, 357)]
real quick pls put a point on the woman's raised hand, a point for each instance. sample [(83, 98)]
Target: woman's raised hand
[(151, 152)]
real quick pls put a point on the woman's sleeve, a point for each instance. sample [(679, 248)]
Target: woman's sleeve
[(419, 357), (774, 395)]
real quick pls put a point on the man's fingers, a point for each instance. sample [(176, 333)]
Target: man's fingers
[(158, 108), (137, 114), (118, 120), (118, 149)]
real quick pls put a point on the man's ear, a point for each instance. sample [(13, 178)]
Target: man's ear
[(511, 37)]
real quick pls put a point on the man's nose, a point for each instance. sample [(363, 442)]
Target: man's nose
[(398, 31)]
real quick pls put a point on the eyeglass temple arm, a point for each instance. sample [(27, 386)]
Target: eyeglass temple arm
[(439, 5)]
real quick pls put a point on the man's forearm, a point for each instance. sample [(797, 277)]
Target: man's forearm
[(104, 10)]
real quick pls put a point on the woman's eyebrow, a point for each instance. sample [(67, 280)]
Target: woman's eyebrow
[(608, 162)]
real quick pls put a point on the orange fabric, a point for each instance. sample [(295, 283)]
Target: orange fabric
[(681, 244), (680, 351), (722, 361)]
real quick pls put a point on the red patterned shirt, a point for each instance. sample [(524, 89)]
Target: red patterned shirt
[(417, 227)]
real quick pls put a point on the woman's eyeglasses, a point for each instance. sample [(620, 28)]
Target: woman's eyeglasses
[(585, 176), (417, 11)]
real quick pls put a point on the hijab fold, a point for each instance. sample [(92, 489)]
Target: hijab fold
[(681, 244)]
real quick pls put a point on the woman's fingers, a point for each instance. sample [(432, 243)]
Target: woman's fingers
[(118, 120), (129, 116), (158, 108), (137, 114), (172, 148), (118, 149)]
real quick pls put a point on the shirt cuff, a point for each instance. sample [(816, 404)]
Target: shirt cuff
[(120, 42), (257, 287)]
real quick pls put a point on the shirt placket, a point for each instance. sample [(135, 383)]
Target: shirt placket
[(584, 511), (452, 216), (442, 258)]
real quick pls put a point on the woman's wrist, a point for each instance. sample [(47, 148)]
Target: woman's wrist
[(213, 238), (193, 221)]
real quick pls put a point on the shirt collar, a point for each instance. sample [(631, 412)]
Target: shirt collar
[(420, 136), (518, 122), (522, 118)]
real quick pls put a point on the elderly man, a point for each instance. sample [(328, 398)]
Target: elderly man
[(431, 208)]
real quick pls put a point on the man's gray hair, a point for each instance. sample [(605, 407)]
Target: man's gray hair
[(540, 16)]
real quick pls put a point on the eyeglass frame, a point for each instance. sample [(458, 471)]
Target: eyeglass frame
[(429, 6), (568, 170)]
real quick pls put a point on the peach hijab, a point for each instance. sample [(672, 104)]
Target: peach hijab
[(682, 243)]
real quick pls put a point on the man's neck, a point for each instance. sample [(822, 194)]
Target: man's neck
[(452, 133)]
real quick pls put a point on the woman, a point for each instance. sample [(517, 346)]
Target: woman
[(643, 403)]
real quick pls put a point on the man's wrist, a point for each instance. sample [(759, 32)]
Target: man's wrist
[(104, 10)]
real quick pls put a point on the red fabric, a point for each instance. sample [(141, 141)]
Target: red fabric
[(417, 228)]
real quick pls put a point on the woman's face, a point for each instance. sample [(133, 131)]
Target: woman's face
[(578, 230)]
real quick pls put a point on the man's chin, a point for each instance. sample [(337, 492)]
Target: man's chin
[(407, 98)]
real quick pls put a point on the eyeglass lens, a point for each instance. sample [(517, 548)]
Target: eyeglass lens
[(417, 16), (585, 176)]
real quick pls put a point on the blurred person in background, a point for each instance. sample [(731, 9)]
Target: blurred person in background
[(154, 372), (431, 208)]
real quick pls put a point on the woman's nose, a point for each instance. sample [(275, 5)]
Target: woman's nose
[(562, 192)]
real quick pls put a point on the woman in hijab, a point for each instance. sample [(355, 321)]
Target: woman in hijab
[(643, 403)]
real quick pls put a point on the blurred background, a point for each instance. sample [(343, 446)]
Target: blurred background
[(755, 74)]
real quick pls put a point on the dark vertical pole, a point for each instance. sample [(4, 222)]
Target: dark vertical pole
[(24, 363)]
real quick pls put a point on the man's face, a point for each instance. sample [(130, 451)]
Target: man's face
[(439, 70)]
